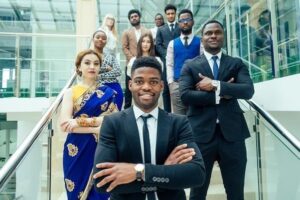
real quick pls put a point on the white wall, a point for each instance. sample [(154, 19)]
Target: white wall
[(27, 112), (281, 94), (281, 97)]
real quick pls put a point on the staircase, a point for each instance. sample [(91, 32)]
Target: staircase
[(216, 190)]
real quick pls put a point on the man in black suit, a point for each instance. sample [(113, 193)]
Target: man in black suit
[(210, 85), (164, 35), (133, 161)]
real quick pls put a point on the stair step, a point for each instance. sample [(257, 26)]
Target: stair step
[(247, 196)]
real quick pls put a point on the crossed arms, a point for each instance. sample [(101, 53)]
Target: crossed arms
[(112, 175)]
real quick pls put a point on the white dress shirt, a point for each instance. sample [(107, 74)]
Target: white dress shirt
[(169, 24), (152, 127), (211, 65), (137, 34)]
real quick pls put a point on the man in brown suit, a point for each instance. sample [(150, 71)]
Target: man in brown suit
[(130, 37)]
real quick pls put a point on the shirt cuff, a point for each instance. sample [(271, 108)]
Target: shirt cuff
[(217, 93), (170, 80)]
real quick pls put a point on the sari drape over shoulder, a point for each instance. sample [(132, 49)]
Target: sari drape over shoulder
[(79, 149)]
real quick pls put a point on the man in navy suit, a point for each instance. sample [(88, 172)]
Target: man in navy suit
[(210, 85), (143, 150), (164, 35)]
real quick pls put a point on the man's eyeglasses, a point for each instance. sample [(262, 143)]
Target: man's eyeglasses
[(185, 20)]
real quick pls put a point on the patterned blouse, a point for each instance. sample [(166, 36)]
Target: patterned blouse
[(112, 75)]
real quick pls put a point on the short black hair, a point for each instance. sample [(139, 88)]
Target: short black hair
[(146, 61), (170, 7), (159, 14), (212, 21), (186, 11), (134, 11)]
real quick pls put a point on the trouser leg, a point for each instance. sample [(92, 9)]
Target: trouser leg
[(209, 154), (232, 163)]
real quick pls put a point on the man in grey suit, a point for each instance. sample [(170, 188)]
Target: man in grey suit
[(143, 150), (164, 35), (210, 85)]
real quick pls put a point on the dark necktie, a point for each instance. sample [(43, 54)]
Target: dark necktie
[(147, 149), (186, 41), (172, 27), (215, 67)]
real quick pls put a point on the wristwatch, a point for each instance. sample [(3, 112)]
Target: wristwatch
[(215, 84), (139, 169)]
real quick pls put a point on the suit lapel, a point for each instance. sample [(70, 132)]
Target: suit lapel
[(223, 65), (163, 132), (133, 35), (133, 135), (168, 29), (205, 66)]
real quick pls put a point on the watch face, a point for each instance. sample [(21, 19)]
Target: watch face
[(139, 167)]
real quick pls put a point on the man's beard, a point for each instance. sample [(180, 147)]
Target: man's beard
[(186, 31), (135, 23)]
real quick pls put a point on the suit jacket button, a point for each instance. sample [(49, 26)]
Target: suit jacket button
[(167, 180), (154, 179)]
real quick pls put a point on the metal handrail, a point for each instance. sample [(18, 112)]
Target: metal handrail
[(10, 166), (274, 123)]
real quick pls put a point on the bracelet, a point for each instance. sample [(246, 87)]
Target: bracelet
[(93, 122), (83, 121)]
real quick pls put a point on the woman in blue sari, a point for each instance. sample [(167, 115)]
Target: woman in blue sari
[(82, 111)]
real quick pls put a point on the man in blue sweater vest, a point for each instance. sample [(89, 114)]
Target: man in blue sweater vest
[(185, 47)]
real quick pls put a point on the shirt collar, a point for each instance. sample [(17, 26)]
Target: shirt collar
[(191, 35), (169, 23), (209, 55), (138, 112)]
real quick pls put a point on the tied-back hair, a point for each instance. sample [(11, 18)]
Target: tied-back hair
[(139, 45), (80, 56), (114, 27), (91, 44)]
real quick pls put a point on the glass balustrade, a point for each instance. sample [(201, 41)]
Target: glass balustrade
[(31, 178), (39, 174), (273, 163), (36, 65), (271, 174)]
